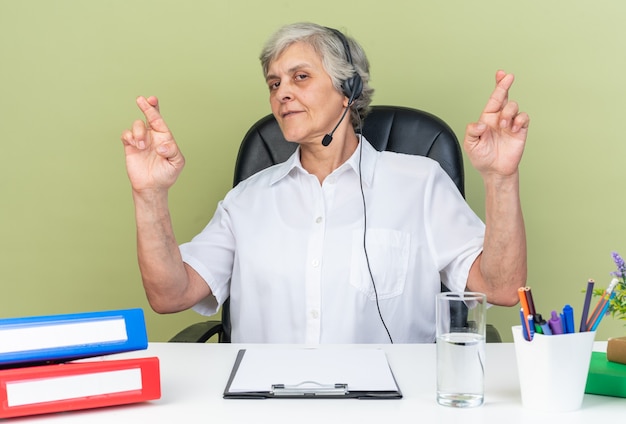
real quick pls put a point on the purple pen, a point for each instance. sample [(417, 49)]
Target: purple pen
[(555, 323)]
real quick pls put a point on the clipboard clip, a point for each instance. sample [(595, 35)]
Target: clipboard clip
[(309, 388)]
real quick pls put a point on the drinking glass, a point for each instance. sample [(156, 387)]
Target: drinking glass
[(461, 323)]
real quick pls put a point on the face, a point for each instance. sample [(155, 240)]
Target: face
[(302, 96)]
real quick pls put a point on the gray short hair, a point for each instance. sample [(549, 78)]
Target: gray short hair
[(332, 52)]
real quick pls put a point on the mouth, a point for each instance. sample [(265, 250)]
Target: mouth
[(289, 113)]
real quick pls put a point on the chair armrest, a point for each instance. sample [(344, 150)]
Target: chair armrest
[(493, 335), (199, 332)]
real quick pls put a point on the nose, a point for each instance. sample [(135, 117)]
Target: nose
[(284, 92)]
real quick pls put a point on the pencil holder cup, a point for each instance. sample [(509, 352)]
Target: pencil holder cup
[(553, 369)]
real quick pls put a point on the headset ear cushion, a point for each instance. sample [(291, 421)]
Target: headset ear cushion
[(352, 88)]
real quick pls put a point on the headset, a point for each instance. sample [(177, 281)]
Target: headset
[(352, 87)]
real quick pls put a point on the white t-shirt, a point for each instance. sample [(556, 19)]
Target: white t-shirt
[(289, 251)]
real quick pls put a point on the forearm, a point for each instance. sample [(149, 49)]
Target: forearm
[(163, 272), (503, 263)]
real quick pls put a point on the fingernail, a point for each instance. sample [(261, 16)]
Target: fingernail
[(162, 149), (503, 123), (141, 144)]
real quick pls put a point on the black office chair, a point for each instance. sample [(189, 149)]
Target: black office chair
[(392, 128)]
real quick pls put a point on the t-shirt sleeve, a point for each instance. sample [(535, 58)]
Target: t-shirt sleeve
[(455, 233), (211, 255)]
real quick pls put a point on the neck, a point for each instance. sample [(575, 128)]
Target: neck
[(321, 161)]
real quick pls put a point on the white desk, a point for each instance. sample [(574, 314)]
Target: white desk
[(193, 377)]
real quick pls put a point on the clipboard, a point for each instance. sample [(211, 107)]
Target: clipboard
[(312, 373)]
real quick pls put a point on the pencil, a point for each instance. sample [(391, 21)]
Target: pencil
[(531, 302), (521, 292), (602, 313), (583, 317), (605, 296)]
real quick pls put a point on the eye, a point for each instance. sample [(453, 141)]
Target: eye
[(301, 77), (273, 85)]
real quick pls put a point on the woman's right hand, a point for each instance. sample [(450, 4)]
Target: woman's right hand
[(153, 160)]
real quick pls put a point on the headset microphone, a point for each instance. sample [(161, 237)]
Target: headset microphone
[(329, 137)]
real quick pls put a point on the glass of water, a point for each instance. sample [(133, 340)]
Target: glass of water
[(461, 321)]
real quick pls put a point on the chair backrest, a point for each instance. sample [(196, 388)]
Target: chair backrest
[(392, 128)]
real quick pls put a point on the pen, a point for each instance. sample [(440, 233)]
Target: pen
[(600, 305), (531, 325), (555, 324), (545, 328), (585, 312), (601, 315), (524, 322), (568, 313)]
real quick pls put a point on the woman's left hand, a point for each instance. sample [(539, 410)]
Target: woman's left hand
[(495, 143)]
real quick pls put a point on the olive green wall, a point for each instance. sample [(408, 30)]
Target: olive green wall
[(70, 71)]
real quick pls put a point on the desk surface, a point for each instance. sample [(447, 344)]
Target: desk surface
[(193, 377)]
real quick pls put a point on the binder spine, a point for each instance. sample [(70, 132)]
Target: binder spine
[(79, 385), (57, 338)]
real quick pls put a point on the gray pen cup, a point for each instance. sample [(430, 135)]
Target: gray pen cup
[(553, 369), (461, 322)]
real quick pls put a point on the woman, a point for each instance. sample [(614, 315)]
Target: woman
[(287, 245)]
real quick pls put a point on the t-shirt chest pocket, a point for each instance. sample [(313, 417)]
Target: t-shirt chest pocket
[(388, 253)]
